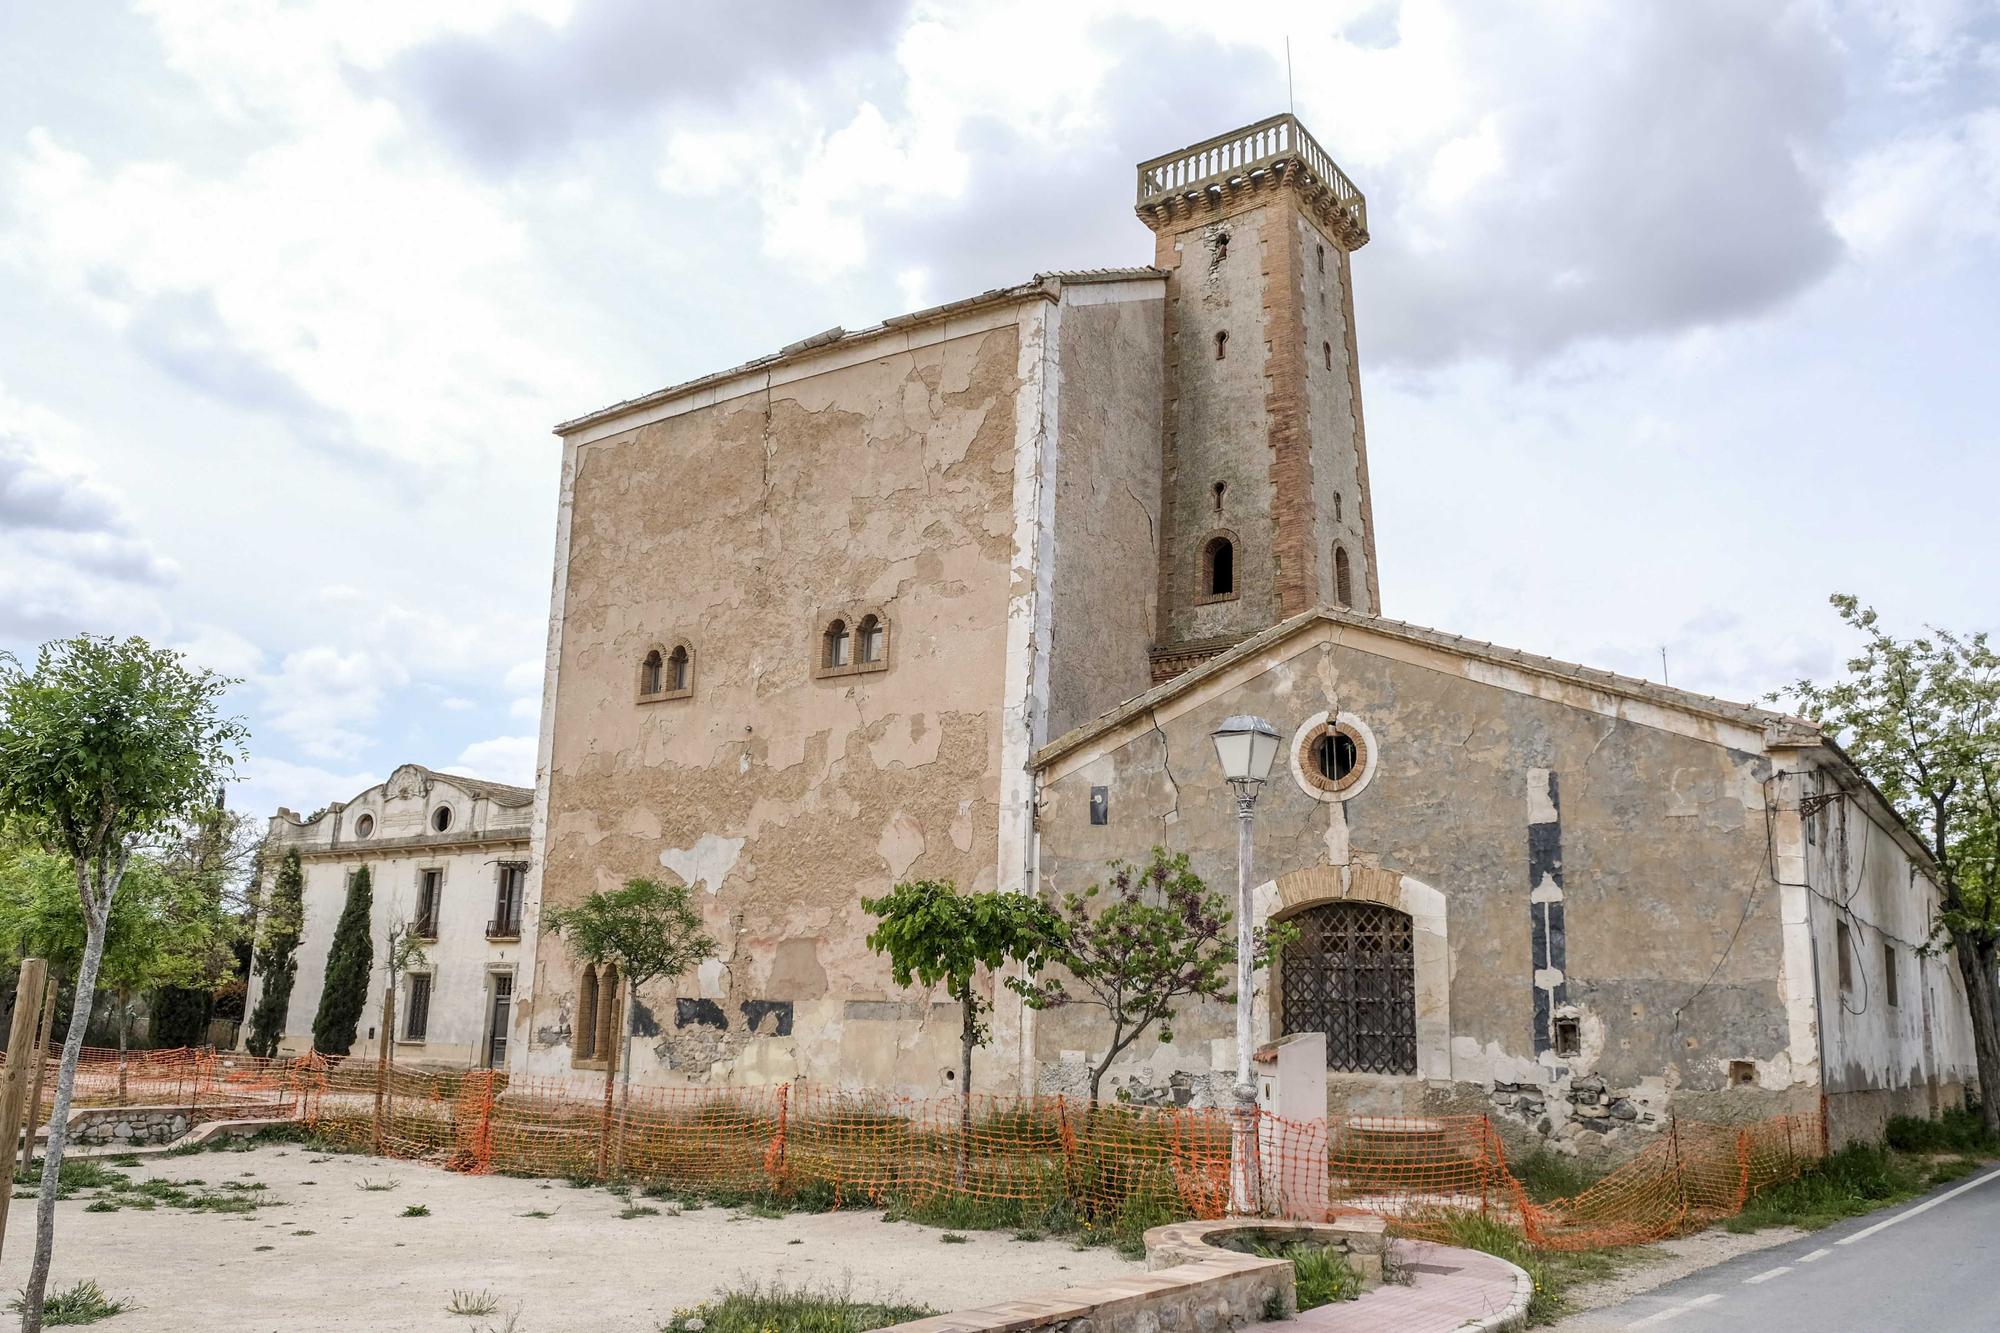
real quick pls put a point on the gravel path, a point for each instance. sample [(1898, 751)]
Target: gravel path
[(363, 1266)]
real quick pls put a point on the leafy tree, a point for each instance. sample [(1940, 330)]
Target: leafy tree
[(278, 929), (214, 864), (1160, 936), (350, 960), (1921, 716), (931, 933), (647, 930), (104, 745)]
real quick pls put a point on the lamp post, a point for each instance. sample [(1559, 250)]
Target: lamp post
[(1245, 746)]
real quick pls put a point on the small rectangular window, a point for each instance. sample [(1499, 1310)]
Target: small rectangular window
[(419, 1021), (1889, 988), (1844, 948), (1568, 1037)]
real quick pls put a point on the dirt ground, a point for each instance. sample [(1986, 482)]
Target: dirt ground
[(325, 1254)]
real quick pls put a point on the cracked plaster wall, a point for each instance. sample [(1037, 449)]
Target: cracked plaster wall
[(1669, 896), (741, 527)]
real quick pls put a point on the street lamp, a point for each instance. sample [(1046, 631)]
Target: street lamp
[(1245, 746)]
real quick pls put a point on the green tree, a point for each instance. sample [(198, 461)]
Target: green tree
[(104, 745), (214, 865), (1921, 716), (278, 927), (350, 960), (648, 931), (1160, 936), (932, 933)]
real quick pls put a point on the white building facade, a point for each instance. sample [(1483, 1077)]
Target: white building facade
[(447, 857)]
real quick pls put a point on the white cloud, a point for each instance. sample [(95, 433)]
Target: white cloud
[(267, 783), (222, 650), (456, 704), (502, 759), (324, 699), (1930, 194), (526, 708)]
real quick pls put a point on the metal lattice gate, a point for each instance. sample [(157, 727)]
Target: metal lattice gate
[(1351, 974)]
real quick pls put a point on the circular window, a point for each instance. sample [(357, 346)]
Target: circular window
[(1333, 756), (441, 818), (364, 826)]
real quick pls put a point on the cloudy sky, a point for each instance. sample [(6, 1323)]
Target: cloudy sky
[(1679, 315)]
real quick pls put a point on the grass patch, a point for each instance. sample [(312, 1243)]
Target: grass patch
[(415, 1210), (538, 1212), (77, 1173), (1546, 1176), (632, 1210), (377, 1186), (1856, 1180), (84, 1303), (475, 1303), (1955, 1131), (953, 1238), (100, 1206), (756, 1308)]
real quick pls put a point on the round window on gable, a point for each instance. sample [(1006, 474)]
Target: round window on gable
[(441, 818), (365, 826), (1333, 757)]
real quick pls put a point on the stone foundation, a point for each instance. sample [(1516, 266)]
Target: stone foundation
[(98, 1126)]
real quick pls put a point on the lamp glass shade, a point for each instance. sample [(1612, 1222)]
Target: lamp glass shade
[(1245, 746)]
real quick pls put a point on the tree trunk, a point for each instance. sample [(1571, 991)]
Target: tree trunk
[(968, 1032), (45, 1209), (124, 998), (604, 1124), (624, 1081), (1982, 997)]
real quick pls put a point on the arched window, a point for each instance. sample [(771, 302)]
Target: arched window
[(835, 646), (1221, 343), (679, 665), (583, 1032), (1343, 577), (651, 673), (1351, 973), (607, 1012), (872, 640), (1218, 567)]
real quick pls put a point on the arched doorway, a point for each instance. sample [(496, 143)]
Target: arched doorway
[(1351, 974)]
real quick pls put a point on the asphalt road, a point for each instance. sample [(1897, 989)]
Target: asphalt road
[(1931, 1264)]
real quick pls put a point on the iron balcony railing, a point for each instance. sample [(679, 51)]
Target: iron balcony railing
[(504, 928)]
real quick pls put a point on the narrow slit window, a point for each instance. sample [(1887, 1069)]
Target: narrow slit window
[(1322, 259), (1890, 990), (1336, 507), (1343, 577), (1221, 344), (1844, 949), (1326, 350)]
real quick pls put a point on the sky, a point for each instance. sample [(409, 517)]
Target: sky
[(1678, 315)]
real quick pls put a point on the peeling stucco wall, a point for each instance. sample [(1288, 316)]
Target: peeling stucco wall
[(1674, 963), (1107, 501)]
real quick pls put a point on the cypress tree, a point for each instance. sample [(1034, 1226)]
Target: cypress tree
[(277, 957), (349, 962)]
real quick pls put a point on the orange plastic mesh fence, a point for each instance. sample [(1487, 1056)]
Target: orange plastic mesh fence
[(1045, 1160)]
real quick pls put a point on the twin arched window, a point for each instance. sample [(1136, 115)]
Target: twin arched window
[(594, 1033), (850, 644), (667, 673)]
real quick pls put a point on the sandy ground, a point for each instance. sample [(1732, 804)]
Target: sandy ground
[(1661, 1263), (365, 1267)]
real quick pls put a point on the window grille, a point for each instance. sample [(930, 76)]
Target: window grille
[(419, 1021), (1351, 974)]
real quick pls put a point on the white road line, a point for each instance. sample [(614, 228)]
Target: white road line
[(1814, 1257), (1767, 1275), (1674, 1312), (1923, 1207)]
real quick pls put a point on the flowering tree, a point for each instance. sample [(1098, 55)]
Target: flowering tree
[(1159, 936)]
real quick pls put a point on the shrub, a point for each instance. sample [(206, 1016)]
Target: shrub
[(84, 1303)]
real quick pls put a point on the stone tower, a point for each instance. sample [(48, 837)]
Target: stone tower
[(1265, 508)]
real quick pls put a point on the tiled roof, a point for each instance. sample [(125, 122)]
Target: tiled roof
[(1787, 728), (838, 336), (499, 793)]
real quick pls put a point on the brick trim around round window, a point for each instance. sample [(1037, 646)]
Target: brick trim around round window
[(1305, 761)]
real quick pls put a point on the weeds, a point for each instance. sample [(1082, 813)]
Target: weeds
[(1546, 1176), (84, 1303), (474, 1303), (415, 1210), (538, 1212), (1958, 1131), (953, 1238), (377, 1186), (755, 1308), (632, 1210), (1853, 1181)]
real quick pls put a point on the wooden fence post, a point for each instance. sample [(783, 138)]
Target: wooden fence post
[(42, 1039), (20, 1051)]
